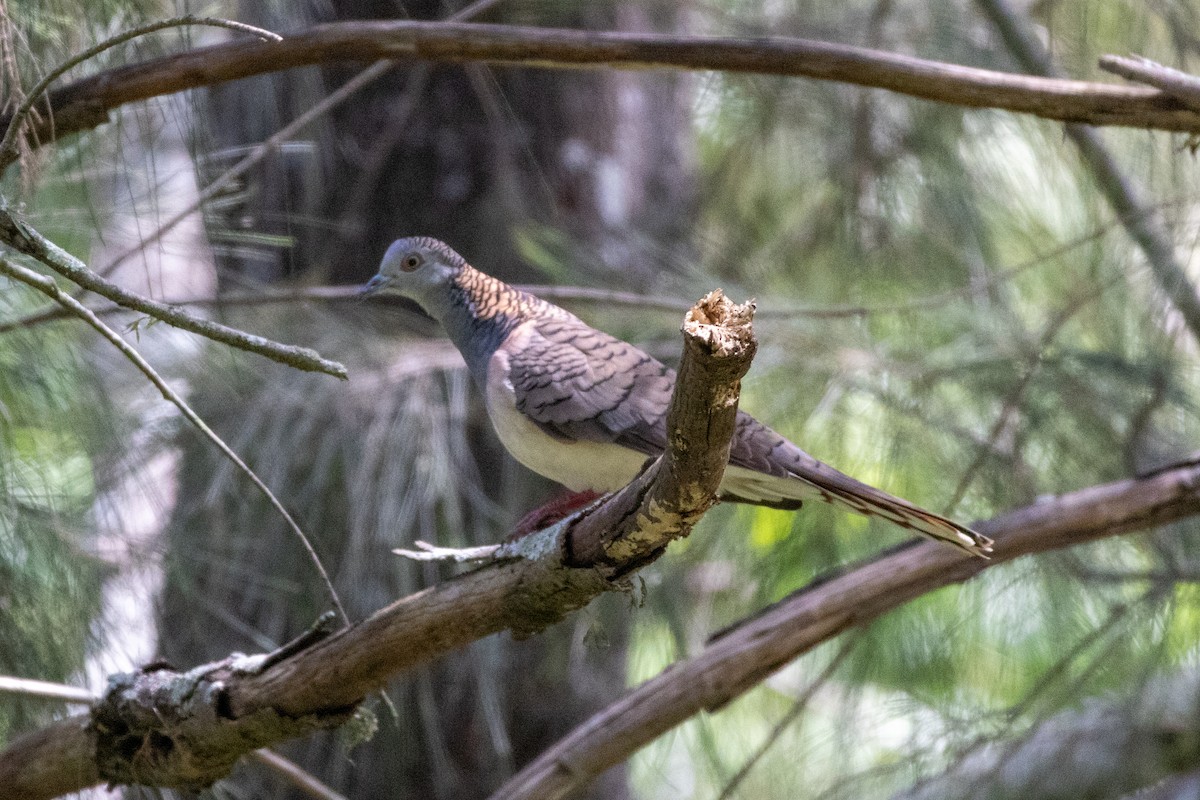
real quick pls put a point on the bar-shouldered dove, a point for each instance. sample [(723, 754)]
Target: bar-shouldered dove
[(586, 409)]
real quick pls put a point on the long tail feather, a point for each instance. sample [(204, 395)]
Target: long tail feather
[(822, 482)]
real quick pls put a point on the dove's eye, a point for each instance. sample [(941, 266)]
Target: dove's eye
[(411, 262)]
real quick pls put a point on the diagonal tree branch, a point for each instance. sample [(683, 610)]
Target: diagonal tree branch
[(86, 104), (740, 658), (23, 238), (295, 775)]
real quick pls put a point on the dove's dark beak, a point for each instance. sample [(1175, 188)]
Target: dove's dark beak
[(372, 286)]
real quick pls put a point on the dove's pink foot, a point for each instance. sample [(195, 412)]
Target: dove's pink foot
[(546, 515)]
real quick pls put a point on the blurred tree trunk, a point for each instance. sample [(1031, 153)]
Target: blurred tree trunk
[(584, 163), (464, 153)]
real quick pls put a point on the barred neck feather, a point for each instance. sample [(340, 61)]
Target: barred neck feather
[(484, 310)]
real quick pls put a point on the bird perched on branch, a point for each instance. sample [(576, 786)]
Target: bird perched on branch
[(586, 409)]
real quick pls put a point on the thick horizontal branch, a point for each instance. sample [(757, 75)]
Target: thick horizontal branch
[(742, 657), (234, 706), (87, 103)]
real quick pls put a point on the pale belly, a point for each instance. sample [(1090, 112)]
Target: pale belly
[(578, 465)]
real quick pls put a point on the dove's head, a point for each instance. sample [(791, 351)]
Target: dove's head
[(419, 268)]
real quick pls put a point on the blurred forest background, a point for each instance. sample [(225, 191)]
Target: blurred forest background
[(949, 309)]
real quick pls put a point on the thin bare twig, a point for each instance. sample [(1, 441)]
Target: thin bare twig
[(472, 10), (787, 719), (9, 151), (22, 237), (48, 287), (46, 690), (1182, 86), (297, 777), (261, 151)]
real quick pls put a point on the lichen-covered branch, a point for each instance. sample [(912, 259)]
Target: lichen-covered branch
[(24, 238)]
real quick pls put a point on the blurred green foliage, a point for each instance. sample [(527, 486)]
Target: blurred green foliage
[(49, 581), (949, 311)]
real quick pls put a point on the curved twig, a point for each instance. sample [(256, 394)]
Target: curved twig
[(85, 104)]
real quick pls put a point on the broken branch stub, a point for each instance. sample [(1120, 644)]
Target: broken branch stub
[(669, 497)]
